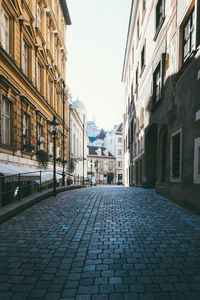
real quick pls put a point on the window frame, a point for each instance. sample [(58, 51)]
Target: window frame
[(26, 134), (188, 20), (4, 125), (40, 136), (172, 177), (39, 17), (6, 31), (156, 72), (143, 58), (159, 22), (26, 58)]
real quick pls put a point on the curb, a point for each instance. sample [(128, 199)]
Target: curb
[(13, 209)]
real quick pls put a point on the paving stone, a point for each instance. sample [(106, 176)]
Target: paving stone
[(101, 243)]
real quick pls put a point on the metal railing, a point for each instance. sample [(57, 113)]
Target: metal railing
[(17, 186)]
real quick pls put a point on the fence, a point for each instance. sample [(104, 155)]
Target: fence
[(17, 186)]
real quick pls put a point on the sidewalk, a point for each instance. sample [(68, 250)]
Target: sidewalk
[(14, 208)]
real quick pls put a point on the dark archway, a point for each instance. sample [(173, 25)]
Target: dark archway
[(151, 150), (163, 153)]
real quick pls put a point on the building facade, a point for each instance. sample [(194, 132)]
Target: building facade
[(161, 73), (114, 143), (101, 165), (78, 140), (32, 74)]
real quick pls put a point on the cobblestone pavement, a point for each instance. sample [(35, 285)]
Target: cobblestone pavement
[(101, 243)]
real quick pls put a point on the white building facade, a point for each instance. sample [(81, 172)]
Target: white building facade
[(78, 140)]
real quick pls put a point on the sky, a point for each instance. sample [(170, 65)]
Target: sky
[(96, 43)]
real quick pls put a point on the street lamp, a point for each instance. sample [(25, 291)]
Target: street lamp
[(83, 152), (63, 162), (69, 143), (54, 131)]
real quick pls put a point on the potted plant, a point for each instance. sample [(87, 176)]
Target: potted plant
[(43, 158)]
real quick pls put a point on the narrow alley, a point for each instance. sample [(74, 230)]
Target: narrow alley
[(104, 242)]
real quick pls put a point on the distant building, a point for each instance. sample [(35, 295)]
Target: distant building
[(101, 165), (92, 130), (78, 141), (114, 143), (99, 140), (81, 110)]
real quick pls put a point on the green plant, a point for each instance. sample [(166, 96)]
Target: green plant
[(28, 148), (43, 158)]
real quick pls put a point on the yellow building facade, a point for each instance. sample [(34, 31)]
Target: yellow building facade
[(32, 74)]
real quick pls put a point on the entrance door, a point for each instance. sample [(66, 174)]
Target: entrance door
[(110, 178)]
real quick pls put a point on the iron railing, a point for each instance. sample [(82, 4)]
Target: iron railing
[(17, 186)]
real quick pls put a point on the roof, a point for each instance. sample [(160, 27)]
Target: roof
[(93, 151), (101, 135), (65, 10), (119, 128)]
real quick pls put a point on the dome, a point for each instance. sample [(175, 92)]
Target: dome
[(79, 104)]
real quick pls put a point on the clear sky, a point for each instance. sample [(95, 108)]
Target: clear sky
[(96, 43)]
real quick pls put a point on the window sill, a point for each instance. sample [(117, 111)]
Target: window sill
[(158, 28)]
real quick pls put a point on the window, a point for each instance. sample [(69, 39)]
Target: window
[(119, 164), (48, 39), (25, 59), (110, 165), (136, 78), (197, 161), (119, 140), (144, 4), (40, 137), (26, 133), (188, 36), (157, 84), (101, 165), (5, 121), (5, 32), (176, 155), (56, 101), (119, 151), (159, 13), (39, 77), (62, 67), (143, 54), (48, 91), (38, 17), (159, 16), (56, 55), (138, 28)]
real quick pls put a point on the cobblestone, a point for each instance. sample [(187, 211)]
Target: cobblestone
[(101, 243)]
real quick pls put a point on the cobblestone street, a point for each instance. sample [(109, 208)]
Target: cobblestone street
[(101, 243)]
